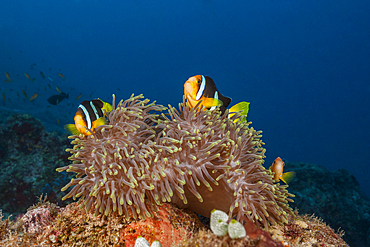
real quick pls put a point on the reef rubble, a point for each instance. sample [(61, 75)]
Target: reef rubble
[(46, 224)]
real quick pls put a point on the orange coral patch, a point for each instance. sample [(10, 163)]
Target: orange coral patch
[(160, 228)]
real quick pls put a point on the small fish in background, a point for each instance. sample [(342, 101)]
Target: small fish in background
[(79, 96), (44, 88), (58, 121), (56, 99), (89, 115), (24, 93), (49, 78), (28, 76), (57, 88), (8, 79), (241, 106), (277, 167), (34, 96), (4, 96), (42, 75), (203, 88), (61, 76)]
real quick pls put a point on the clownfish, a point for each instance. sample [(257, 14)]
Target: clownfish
[(277, 167), (89, 116), (203, 88)]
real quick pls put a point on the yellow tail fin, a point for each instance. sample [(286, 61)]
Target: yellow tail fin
[(287, 177), (71, 128), (241, 106)]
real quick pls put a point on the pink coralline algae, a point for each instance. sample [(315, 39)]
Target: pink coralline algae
[(165, 227), (36, 219)]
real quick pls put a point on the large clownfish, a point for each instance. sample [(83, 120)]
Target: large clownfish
[(277, 167), (203, 88), (89, 116)]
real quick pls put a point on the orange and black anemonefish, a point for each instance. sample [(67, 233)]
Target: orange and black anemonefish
[(277, 168), (203, 88), (89, 115)]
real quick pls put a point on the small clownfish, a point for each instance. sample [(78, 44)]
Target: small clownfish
[(203, 88), (277, 167), (89, 116)]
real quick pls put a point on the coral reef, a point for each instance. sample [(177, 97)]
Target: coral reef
[(73, 226), (28, 158), (333, 196), (301, 231), (192, 158)]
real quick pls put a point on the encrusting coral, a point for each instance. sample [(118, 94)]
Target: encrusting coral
[(197, 159)]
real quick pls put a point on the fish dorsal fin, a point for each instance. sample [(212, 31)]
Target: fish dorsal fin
[(225, 100)]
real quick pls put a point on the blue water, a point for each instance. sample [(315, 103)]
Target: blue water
[(303, 65)]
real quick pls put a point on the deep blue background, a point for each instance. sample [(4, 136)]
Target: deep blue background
[(303, 65)]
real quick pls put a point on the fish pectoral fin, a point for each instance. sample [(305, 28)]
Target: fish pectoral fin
[(287, 177), (71, 128), (210, 102), (98, 122)]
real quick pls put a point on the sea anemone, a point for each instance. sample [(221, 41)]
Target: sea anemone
[(197, 159), (220, 162), (113, 164)]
